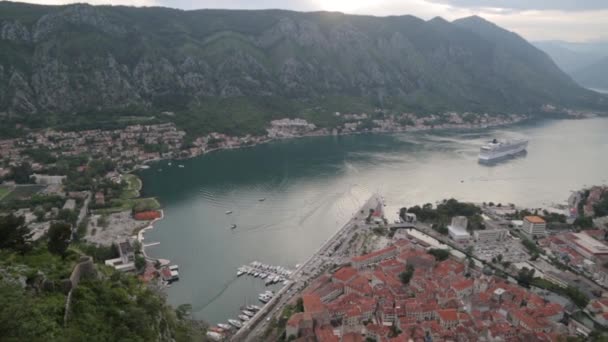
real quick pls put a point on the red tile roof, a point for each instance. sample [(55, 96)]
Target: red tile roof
[(448, 315), (345, 274), (312, 303), (534, 219)]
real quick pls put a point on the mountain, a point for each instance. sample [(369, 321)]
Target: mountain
[(568, 56), (587, 63), (594, 75), (233, 71)]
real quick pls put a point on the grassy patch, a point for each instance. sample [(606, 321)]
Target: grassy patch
[(139, 204), (21, 192), (134, 185), (4, 190)]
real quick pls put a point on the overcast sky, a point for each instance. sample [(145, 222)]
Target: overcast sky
[(570, 20)]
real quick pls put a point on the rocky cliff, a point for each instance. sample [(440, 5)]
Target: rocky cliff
[(80, 59)]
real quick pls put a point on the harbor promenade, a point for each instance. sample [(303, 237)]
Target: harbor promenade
[(316, 264)]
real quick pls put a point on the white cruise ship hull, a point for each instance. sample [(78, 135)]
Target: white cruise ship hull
[(502, 153)]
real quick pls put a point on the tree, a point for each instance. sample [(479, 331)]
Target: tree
[(59, 238), (439, 254), (407, 275), (140, 263), (14, 234), (499, 258), (22, 173), (402, 213), (525, 276)]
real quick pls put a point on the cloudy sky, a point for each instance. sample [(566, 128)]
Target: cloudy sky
[(570, 20)]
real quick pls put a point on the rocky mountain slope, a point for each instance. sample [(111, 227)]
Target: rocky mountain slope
[(87, 64)]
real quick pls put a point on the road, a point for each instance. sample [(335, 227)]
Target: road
[(331, 252)]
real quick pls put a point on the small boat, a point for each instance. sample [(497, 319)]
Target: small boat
[(263, 299), (217, 330), (268, 282), (174, 268), (224, 326), (262, 199), (233, 226), (240, 273), (244, 318), (255, 307), (181, 166), (286, 282), (256, 274), (213, 336), (248, 313), (228, 212), (235, 323), (169, 164)]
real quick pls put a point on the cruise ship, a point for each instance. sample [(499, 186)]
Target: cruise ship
[(500, 149)]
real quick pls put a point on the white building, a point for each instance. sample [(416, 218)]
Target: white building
[(534, 226), (490, 235), (126, 262), (458, 229)]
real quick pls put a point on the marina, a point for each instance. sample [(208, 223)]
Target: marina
[(271, 274)]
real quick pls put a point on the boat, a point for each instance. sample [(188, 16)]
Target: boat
[(235, 323), (240, 273), (217, 330), (224, 326), (213, 336), (256, 308), (174, 268), (286, 282), (263, 275), (248, 313), (256, 274), (263, 299), (169, 164), (181, 166), (233, 226), (252, 308), (244, 318), (262, 199), (228, 212), (496, 150), (269, 282)]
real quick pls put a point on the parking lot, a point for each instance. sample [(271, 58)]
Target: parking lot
[(511, 250)]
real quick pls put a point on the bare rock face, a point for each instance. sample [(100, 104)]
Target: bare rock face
[(14, 31), (81, 58), (79, 14), (21, 95)]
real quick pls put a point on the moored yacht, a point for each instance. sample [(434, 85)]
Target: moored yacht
[(235, 323)]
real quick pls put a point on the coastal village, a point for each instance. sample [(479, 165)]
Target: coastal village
[(500, 273), (450, 287)]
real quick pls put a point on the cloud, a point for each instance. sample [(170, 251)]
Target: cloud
[(563, 5)]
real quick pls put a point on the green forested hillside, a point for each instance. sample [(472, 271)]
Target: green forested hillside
[(77, 65)]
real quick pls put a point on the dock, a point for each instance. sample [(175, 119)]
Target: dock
[(307, 271)]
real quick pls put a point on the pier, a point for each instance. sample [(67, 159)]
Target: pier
[(254, 329)]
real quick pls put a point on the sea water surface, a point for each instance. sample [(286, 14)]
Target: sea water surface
[(312, 186)]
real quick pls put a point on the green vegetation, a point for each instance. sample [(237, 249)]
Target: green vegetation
[(441, 216), (238, 80), (439, 254), (4, 191), (577, 297), (406, 276), (14, 235), (59, 238), (112, 307), (601, 208)]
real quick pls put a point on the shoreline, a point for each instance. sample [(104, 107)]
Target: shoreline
[(267, 139), (140, 234)]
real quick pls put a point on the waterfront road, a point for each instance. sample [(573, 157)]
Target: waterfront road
[(332, 252)]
